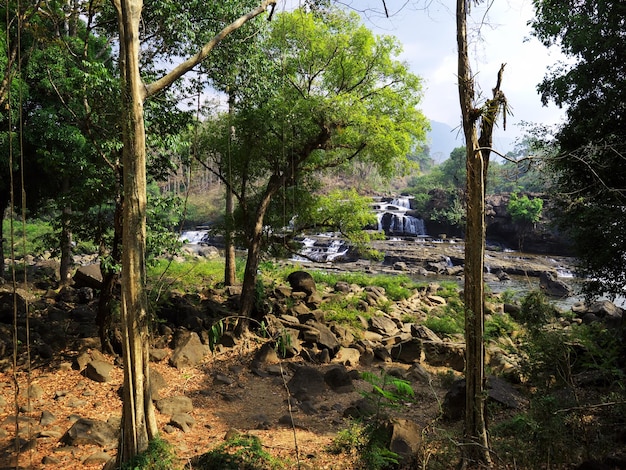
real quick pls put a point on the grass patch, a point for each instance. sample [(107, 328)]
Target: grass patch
[(189, 276), (27, 239), (396, 287)]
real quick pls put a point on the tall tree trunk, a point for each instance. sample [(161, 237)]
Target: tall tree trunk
[(476, 446), (66, 239), (4, 203), (138, 418), (109, 279), (229, 261)]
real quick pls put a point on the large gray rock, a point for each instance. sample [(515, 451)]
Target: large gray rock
[(88, 276), (553, 286), (174, 405), (306, 383), (408, 351), (91, 432), (189, 352), (406, 438), (445, 354), (383, 325), (99, 371)]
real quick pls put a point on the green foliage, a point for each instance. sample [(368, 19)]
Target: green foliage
[(27, 239), (499, 325), (396, 287), (444, 325), (586, 162), (160, 455), (387, 391), (191, 276), (524, 210), (370, 440), (536, 311), (241, 452)]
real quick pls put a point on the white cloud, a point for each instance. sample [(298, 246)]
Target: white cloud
[(429, 38)]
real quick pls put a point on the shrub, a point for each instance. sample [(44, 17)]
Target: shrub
[(242, 451), (524, 210), (158, 456)]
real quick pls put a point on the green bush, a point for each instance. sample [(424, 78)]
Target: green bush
[(159, 456), (536, 311), (524, 210), (240, 452), (444, 325), (499, 325)]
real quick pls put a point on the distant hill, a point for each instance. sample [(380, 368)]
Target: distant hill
[(443, 139)]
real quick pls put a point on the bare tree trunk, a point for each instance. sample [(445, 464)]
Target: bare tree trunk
[(138, 418), (476, 445), (66, 247), (109, 279), (248, 296), (4, 203)]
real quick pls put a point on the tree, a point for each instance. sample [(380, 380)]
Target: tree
[(337, 96), (138, 420), (478, 149), (226, 74), (590, 146)]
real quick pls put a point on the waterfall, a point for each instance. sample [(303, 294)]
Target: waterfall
[(321, 250), (394, 220)]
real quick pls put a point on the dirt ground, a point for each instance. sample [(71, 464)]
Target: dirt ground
[(250, 404)]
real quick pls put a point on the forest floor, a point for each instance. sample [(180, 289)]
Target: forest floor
[(250, 404)]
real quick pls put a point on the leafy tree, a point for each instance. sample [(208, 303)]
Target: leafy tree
[(138, 419), (524, 210), (338, 96), (590, 145)]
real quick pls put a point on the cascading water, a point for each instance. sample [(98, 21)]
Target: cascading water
[(394, 217), (322, 250)]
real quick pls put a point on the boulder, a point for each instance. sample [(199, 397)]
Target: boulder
[(339, 380), (88, 276), (171, 406), (189, 352), (90, 432), (406, 438), (553, 286), (99, 371), (446, 354), (301, 281), (306, 383)]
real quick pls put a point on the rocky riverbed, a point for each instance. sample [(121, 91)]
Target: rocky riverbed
[(435, 259)]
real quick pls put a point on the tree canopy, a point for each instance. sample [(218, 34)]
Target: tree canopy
[(334, 94), (589, 160)]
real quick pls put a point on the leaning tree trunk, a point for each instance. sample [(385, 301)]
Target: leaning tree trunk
[(476, 445), (255, 238), (138, 418)]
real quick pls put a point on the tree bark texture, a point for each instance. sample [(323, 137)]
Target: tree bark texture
[(476, 445), (138, 418)]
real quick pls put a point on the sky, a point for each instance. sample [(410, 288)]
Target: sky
[(428, 36)]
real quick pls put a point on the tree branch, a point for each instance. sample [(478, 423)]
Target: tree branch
[(181, 69)]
